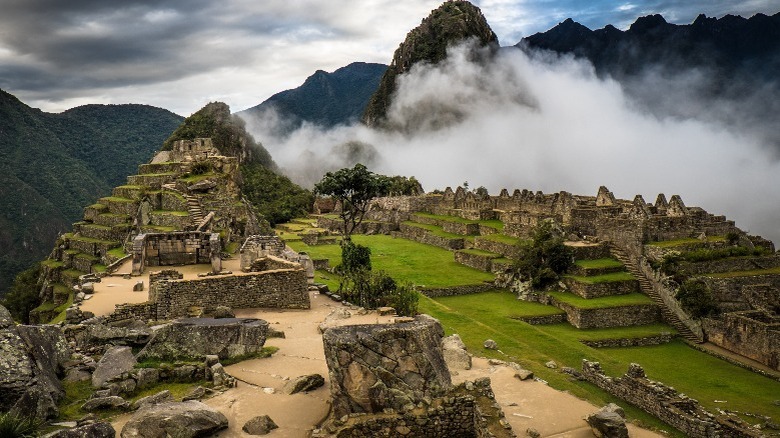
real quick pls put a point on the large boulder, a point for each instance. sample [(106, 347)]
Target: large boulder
[(261, 425), (176, 419), (117, 361), (608, 422), (131, 333), (94, 430), (455, 353), (195, 338), (304, 384), (32, 359), (374, 367)]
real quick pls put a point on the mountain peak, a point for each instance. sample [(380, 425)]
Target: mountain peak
[(450, 23)]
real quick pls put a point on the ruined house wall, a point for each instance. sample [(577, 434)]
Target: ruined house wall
[(284, 289), (673, 408), (256, 247), (745, 333), (598, 290), (610, 316), (451, 291), (177, 248)]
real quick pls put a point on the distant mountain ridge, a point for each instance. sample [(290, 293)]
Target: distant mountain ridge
[(325, 99), (54, 164), (730, 44)]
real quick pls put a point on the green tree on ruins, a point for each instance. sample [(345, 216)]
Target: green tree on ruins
[(543, 262), (353, 189)]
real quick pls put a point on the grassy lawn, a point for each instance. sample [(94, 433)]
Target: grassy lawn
[(503, 238), (479, 252), (423, 265), (492, 223), (436, 231), (633, 299), (688, 241), (598, 264), (771, 271), (171, 213), (699, 375), (604, 278)]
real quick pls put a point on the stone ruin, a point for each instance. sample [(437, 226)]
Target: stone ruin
[(664, 402), (177, 248), (256, 247), (392, 380)]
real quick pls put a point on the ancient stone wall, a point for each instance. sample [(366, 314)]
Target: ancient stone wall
[(752, 334), (177, 248), (731, 264), (630, 342), (610, 316), (256, 247), (597, 290), (476, 261), (467, 289), (425, 236), (505, 249), (673, 408), (286, 289)]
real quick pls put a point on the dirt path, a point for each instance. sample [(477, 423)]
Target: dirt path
[(526, 404)]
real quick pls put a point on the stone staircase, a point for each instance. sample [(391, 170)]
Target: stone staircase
[(647, 288), (193, 204)]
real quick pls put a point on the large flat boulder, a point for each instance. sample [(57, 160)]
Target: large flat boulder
[(176, 419), (196, 338), (117, 361), (374, 367)]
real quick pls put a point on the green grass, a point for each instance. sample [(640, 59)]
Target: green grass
[(634, 299), (436, 230), (732, 274), (52, 264), (198, 178), (697, 374), (99, 268), (232, 247), (131, 187), (604, 278), (92, 240), (117, 253), (598, 264), (73, 273), (99, 207), (479, 252), (502, 303), (331, 280), (404, 260), (684, 242), (116, 199), (492, 223), (171, 213), (88, 257), (160, 228), (503, 238)]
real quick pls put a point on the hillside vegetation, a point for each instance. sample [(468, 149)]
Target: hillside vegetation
[(53, 165)]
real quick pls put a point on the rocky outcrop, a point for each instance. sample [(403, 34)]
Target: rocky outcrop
[(116, 361), (93, 430), (455, 354), (31, 360), (180, 419), (304, 384), (131, 333), (452, 22), (608, 422), (374, 367), (195, 338)]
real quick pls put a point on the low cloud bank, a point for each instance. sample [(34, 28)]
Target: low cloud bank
[(547, 123)]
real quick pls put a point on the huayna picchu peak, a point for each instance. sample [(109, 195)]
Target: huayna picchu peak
[(453, 22)]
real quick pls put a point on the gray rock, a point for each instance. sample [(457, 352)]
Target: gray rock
[(6, 320), (455, 353), (524, 374), (198, 337), (261, 425), (220, 377), (304, 384), (608, 422), (77, 375), (551, 364), (154, 399), (203, 186), (88, 288), (224, 312), (138, 286), (114, 363), (196, 394), (377, 366), (146, 377), (93, 430), (188, 419), (97, 335), (532, 433), (38, 402), (490, 344), (103, 403)]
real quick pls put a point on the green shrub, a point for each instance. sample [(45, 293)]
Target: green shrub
[(404, 300), (696, 299), (17, 426), (543, 262)]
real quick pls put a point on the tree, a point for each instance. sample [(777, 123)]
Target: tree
[(353, 189), (545, 259), (23, 295)]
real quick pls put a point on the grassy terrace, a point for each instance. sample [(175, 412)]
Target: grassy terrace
[(197, 178), (634, 299), (604, 278), (688, 241), (479, 252), (492, 223), (488, 315), (732, 274), (503, 238), (436, 231), (171, 213), (598, 264), (421, 264), (116, 199)]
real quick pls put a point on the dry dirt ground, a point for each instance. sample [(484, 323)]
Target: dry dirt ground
[(527, 404)]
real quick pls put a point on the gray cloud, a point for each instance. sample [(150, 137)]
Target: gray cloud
[(549, 123)]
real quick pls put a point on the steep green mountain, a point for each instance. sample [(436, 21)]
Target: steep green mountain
[(325, 99), (52, 165), (450, 23)]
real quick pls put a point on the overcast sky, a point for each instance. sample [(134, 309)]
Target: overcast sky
[(181, 54)]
